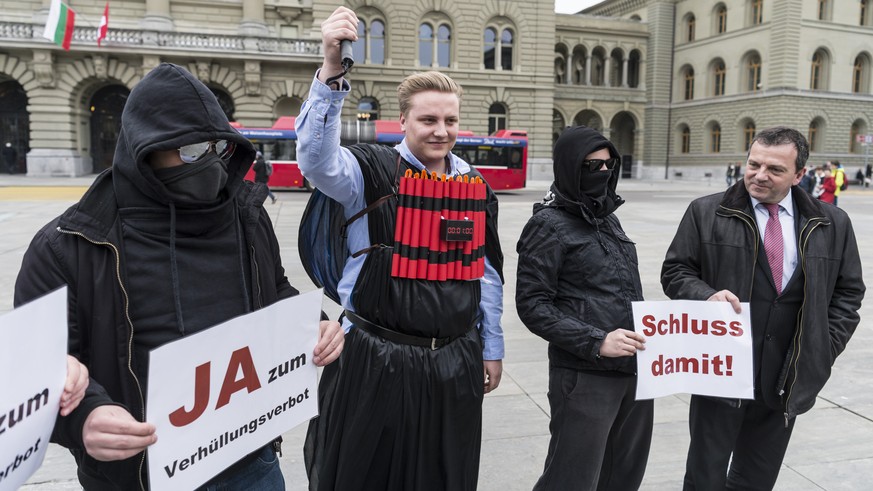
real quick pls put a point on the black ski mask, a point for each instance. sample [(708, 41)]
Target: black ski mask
[(197, 182), (577, 188)]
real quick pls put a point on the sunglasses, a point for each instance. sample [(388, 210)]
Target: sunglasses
[(195, 151), (595, 165)]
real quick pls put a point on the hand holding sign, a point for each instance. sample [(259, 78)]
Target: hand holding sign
[(331, 339), (75, 385), (622, 342), (111, 433)]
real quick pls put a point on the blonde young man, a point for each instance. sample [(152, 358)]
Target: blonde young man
[(404, 409)]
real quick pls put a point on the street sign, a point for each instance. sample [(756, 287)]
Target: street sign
[(864, 138)]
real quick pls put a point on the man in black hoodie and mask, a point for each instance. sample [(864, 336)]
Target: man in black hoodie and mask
[(577, 276), (168, 242)]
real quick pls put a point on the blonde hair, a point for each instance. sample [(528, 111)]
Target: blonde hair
[(420, 82)]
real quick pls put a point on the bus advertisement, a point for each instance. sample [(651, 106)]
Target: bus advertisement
[(501, 158)]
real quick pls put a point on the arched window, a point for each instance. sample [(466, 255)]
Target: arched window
[(15, 127), (497, 118), (616, 75), (435, 41), (507, 40), (425, 45), (368, 109), (106, 107), (377, 42), (690, 23), (489, 48), (498, 51), (444, 45), (633, 69), (815, 135), (715, 138), (753, 73), (370, 46), (688, 78), (685, 139), (580, 65), (718, 76), (818, 73), (815, 72), (560, 67), (598, 66), (721, 19), (359, 47), (748, 135), (861, 75), (756, 12)]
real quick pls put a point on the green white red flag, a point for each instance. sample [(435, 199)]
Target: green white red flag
[(59, 27)]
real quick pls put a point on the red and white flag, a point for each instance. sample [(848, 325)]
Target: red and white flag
[(59, 26), (104, 25)]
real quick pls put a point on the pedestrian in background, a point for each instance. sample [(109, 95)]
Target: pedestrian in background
[(263, 171)]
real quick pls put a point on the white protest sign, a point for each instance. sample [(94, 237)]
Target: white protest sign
[(222, 393), (694, 347), (33, 359)]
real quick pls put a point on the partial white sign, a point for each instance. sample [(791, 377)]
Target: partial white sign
[(694, 347), (220, 394), (33, 359)]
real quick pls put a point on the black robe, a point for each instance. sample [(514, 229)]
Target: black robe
[(396, 416)]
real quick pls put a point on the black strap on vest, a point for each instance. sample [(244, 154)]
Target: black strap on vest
[(372, 206)]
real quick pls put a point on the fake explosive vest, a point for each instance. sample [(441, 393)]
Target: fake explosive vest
[(434, 229)]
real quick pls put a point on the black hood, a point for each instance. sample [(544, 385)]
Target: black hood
[(574, 144), (167, 109)]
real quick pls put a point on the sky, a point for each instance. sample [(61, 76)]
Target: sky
[(573, 6)]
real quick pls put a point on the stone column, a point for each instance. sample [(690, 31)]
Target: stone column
[(568, 73), (588, 70), (624, 72), (607, 71), (252, 23), (157, 16), (659, 77)]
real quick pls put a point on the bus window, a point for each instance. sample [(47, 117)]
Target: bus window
[(515, 159)]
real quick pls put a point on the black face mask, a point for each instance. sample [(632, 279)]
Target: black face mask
[(197, 182), (594, 186)]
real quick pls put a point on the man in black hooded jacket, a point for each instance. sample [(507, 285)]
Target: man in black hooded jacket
[(577, 276), (166, 243)]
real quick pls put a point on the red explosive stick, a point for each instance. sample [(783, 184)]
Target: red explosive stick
[(426, 225), (416, 227), (444, 215), (398, 225)]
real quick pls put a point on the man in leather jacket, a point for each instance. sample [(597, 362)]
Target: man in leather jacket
[(801, 318)]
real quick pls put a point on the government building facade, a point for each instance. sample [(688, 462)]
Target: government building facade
[(680, 86)]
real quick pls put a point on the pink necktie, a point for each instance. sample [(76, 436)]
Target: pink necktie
[(773, 245)]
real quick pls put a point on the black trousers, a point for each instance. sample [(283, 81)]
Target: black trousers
[(600, 434), (753, 433)]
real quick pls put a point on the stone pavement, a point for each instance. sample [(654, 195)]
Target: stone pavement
[(832, 446)]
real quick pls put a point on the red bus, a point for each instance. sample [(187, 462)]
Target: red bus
[(501, 158)]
